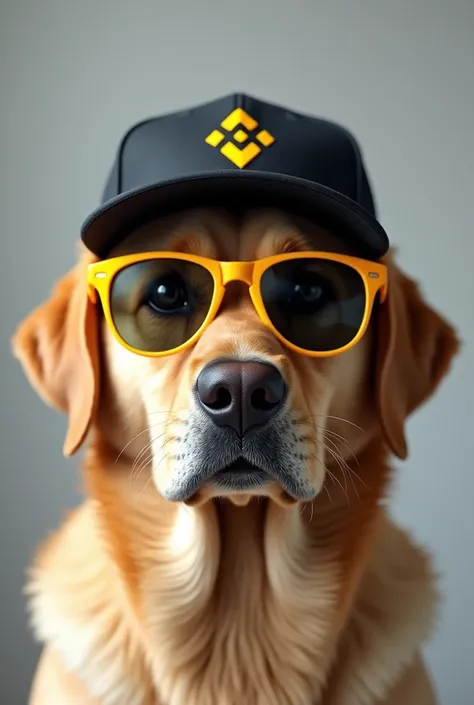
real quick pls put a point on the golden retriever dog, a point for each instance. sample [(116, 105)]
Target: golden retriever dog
[(171, 585)]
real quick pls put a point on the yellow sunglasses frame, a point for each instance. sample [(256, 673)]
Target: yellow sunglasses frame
[(100, 277)]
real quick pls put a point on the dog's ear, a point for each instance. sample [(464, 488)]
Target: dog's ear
[(57, 344), (415, 348)]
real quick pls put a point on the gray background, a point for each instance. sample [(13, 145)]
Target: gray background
[(75, 75)]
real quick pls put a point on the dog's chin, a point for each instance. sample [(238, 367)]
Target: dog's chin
[(241, 499), (240, 483)]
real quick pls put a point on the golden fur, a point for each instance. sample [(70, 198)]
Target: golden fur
[(256, 600)]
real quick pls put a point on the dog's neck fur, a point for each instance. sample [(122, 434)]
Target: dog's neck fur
[(213, 604)]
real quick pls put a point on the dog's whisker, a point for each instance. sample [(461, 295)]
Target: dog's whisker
[(316, 427), (150, 458), (311, 504), (348, 472), (150, 442), (326, 470), (333, 475), (355, 475), (143, 466), (145, 448), (337, 457), (147, 483), (335, 480), (336, 454), (136, 472), (337, 449), (140, 433), (335, 418), (145, 430), (347, 467), (325, 487), (140, 463), (144, 462), (144, 489), (341, 439), (348, 448), (332, 433), (145, 455)]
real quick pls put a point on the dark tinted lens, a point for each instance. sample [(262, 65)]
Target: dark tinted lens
[(159, 304), (315, 304)]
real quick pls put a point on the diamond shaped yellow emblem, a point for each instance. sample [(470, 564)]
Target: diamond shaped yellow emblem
[(240, 156)]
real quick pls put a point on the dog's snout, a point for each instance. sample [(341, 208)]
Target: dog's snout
[(240, 394)]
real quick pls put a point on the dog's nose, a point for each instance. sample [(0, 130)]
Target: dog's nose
[(240, 394)]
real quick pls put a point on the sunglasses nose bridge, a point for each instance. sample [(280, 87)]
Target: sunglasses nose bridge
[(237, 271)]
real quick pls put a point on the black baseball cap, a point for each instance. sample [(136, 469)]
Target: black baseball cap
[(236, 151)]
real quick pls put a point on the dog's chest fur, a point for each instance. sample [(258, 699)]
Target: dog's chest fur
[(227, 605), (246, 609)]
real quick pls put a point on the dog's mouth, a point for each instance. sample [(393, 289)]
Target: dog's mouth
[(240, 475), (240, 466), (242, 480)]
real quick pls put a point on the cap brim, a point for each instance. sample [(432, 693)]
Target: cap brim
[(110, 223)]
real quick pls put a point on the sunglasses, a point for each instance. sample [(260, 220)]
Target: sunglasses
[(159, 303)]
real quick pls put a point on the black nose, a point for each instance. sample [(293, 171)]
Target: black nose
[(240, 394)]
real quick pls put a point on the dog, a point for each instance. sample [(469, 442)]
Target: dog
[(295, 589)]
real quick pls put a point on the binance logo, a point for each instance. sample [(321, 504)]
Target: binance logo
[(240, 156)]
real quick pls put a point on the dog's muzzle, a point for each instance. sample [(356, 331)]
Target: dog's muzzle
[(240, 435)]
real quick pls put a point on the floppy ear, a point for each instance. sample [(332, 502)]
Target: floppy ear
[(57, 344), (415, 348)]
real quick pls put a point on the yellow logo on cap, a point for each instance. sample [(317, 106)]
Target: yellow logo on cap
[(240, 156)]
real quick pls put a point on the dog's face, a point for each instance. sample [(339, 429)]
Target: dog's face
[(269, 428), (237, 414)]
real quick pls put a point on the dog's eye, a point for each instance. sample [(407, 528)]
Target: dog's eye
[(310, 292), (307, 292), (168, 294)]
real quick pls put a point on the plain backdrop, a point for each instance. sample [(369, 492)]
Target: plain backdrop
[(400, 74)]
